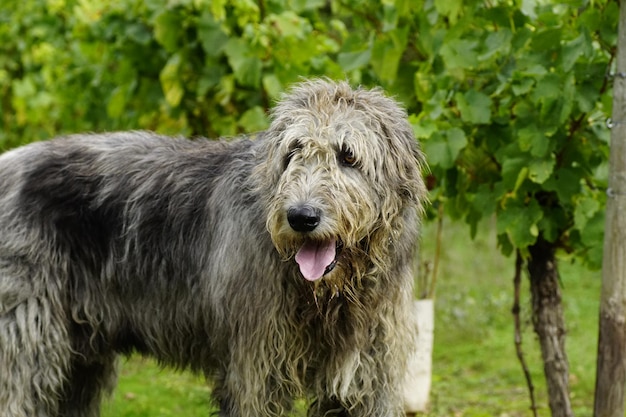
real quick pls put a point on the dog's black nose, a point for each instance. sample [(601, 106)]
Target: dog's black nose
[(303, 218)]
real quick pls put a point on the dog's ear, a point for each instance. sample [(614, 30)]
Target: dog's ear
[(411, 162), (406, 162)]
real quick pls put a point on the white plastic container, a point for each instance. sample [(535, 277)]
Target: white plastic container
[(419, 370)]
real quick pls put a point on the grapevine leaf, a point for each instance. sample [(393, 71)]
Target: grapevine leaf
[(246, 66), (272, 86), (533, 140), (572, 50), (170, 81), (592, 236), (539, 170), (519, 222), (450, 8), (443, 148), (475, 107), (438, 152), (460, 53), (456, 141), (565, 182), (514, 171), (117, 101), (387, 52), (584, 209), (167, 30), (211, 35), (254, 120), (289, 24), (355, 53)]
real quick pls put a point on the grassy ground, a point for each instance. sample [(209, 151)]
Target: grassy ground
[(475, 370)]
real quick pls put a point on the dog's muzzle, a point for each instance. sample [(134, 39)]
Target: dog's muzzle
[(315, 257)]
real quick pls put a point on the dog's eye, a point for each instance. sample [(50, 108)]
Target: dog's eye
[(347, 158)]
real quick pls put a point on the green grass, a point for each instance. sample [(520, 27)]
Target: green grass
[(146, 390), (475, 369)]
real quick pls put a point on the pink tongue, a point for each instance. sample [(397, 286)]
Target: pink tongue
[(314, 257)]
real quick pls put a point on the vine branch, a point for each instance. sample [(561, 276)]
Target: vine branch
[(433, 282), (517, 280)]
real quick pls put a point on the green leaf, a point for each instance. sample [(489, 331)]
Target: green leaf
[(304, 5), (586, 97), (211, 35), (355, 53), (484, 198), (237, 50), (514, 172), (519, 222), (450, 8), (554, 223), (246, 12), (246, 67), (505, 245), (548, 87), (456, 141), (139, 33), (555, 95), (422, 128), (289, 24), (117, 101), (460, 53), (475, 107), (218, 9), (170, 81), (167, 29), (423, 85), (565, 182), (211, 76), (497, 43), (572, 50), (547, 40), (390, 17), (539, 170), (273, 86), (437, 151), (529, 8), (387, 52), (567, 97), (533, 140), (592, 237), (254, 120), (443, 148), (584, 209), (249, 73), (521, 177), (522, 86), (25, 87)]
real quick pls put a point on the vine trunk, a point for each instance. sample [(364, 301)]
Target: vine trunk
[(549, 324)]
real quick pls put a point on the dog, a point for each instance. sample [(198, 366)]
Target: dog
[(279, 265)]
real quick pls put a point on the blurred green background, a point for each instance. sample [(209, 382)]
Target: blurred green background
[(509, 99)]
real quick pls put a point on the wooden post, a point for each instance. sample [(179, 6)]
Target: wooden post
[(611, 365)]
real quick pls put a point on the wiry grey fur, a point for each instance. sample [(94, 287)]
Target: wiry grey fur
[(182, 250)]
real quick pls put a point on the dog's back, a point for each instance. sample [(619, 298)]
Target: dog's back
[(104, 240)]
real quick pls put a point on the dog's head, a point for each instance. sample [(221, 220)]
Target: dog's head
[(343, 180)]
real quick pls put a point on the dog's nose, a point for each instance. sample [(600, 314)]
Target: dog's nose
[(303, 218)]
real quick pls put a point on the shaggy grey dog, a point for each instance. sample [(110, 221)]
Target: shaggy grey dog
[(279, 267)]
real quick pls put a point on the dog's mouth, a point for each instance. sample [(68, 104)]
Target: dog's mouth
[(318, 258)]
